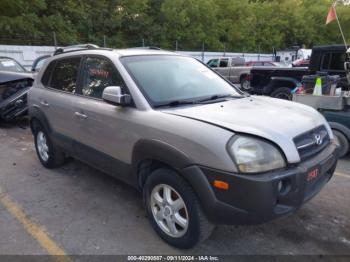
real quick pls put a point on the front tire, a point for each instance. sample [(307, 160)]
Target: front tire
[(174, 210), (49, 155)]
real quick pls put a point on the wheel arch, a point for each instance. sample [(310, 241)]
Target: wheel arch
[(149, 155), (38, 117), (341, 128), (278, 82)]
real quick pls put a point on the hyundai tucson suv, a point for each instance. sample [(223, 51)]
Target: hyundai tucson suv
[(201, 152)]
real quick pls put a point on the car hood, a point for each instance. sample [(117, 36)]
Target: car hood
[(276, 120), (6, 76)]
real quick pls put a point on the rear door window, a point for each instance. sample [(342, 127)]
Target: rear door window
[(337, 61), (224, 62), (64, 76), (325, 61)]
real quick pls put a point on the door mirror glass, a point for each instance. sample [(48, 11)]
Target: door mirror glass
[(113, 94)]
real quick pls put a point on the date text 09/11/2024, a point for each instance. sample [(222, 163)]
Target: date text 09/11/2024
[(173, 258)]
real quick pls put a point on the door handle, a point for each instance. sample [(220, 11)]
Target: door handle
[(44, 103), (80, 115)]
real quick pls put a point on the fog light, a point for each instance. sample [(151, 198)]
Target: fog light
[(280, 186), (284, 186)]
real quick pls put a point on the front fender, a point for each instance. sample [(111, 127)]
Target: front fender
[(147, 149)]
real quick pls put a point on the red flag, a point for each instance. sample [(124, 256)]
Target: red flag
[(332, 15)]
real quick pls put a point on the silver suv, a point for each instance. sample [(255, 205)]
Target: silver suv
[(201, 151)]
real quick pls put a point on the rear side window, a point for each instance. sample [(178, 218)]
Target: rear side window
[(45, 80), (223, 62), (64, 76), (325, 61), (99, 73), (337, 61)]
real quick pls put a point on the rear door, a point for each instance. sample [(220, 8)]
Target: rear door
[(58, 93), (224, 68)]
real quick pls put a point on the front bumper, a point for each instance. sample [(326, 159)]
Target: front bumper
[(255, 199)]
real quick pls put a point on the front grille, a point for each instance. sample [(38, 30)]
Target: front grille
[(312, 142)]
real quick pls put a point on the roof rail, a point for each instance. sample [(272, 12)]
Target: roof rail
[(146, 47), (73, 48)]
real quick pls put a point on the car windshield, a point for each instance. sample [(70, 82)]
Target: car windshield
[(10, 65), (174, 79)]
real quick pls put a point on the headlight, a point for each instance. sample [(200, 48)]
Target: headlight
[(253, 155)]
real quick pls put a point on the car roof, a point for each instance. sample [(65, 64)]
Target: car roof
[(6, 57), (329, 48), (117, 52)]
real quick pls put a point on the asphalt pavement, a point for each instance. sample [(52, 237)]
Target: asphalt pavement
[(77, 210)]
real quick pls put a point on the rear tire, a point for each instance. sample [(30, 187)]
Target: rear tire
[(282, 93), (195, 226), (245, 83), (343, 141), (49, 155)]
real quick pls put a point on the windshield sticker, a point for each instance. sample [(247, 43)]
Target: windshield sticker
[(99, 73)]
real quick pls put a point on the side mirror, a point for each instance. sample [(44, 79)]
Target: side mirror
[(113, 95), (347, 66)]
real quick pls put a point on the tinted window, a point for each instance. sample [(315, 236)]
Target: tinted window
[(64, 76), (98, 73), (325, 61), (337, 61), (46, 77), (223, 62)]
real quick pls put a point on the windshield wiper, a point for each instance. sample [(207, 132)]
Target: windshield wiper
[(177, 103), (213, 98), (217, 97)]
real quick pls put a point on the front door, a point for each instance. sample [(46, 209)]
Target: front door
[(103, 136)]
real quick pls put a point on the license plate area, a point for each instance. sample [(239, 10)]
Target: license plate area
[(315, 179), (313, 175)]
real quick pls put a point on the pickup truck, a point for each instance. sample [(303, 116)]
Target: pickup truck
[(280, 82), (233, 69)]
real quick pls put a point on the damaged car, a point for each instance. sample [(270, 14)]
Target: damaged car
[(15, 82)]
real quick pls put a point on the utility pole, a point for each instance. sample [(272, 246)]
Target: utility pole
[(176, 45), (55, 40), (143, 42), (104, 41), (203, 47)]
